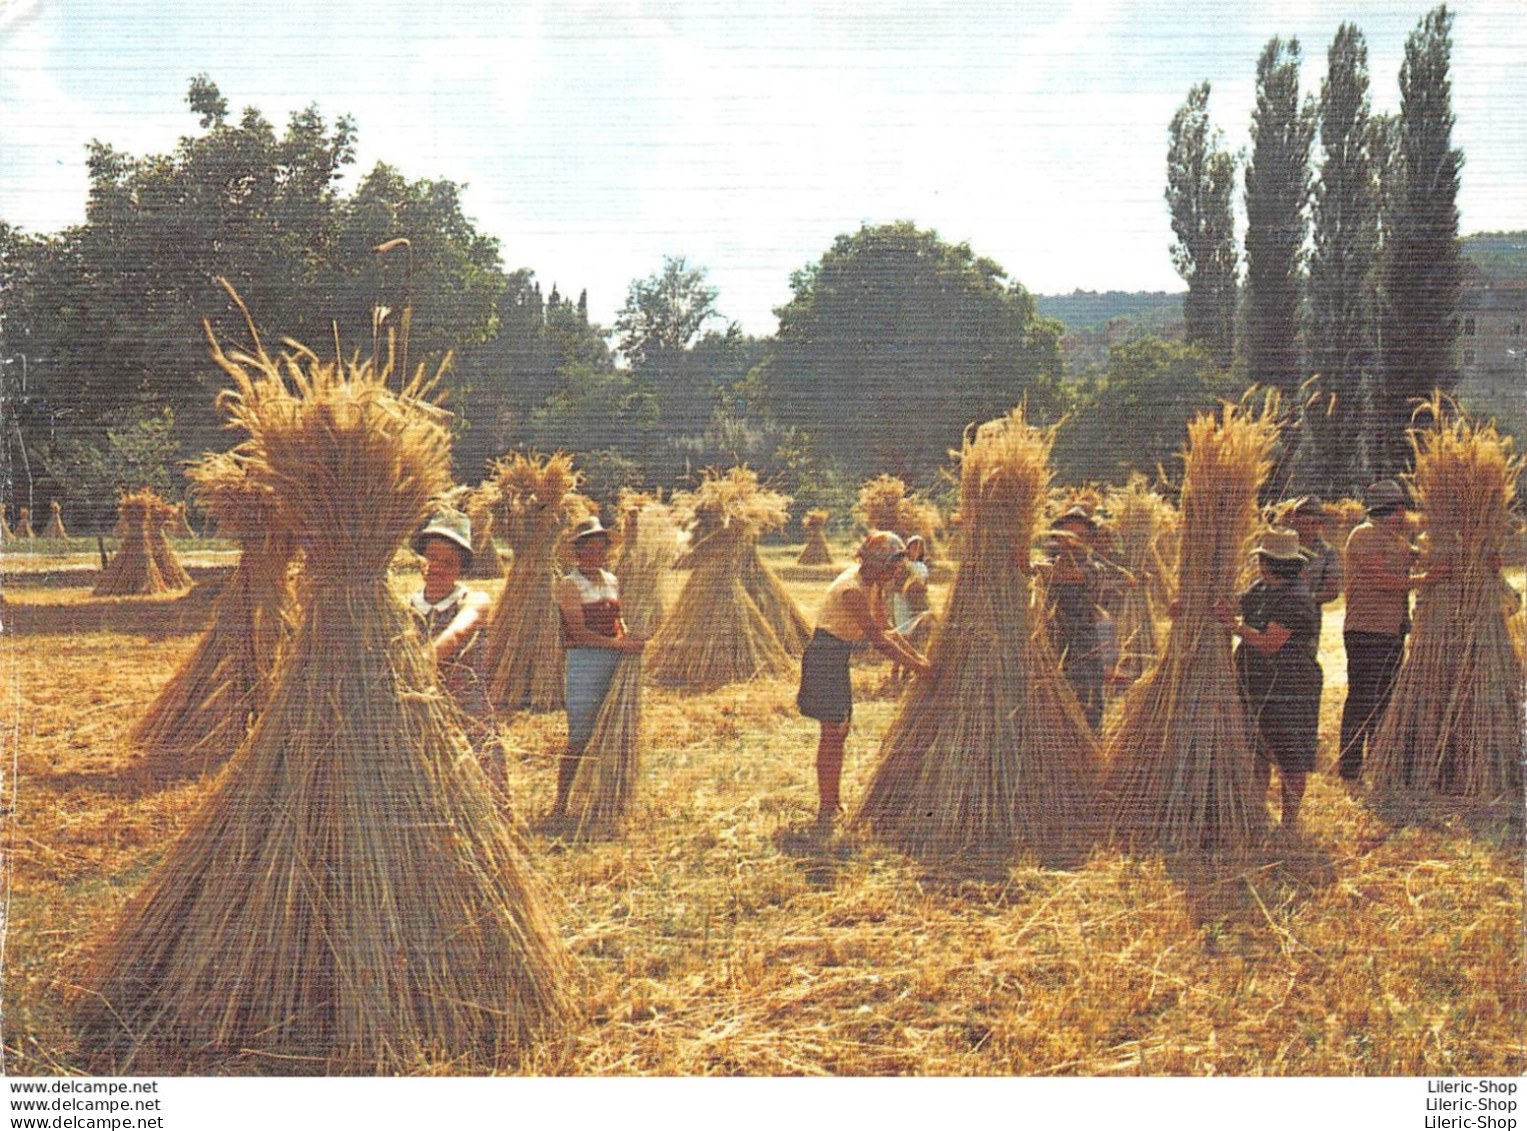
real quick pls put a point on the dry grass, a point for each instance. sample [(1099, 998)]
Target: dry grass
[(55, 527), (1143, 522), (727, 623), (713, 940), (134, 568), (348, 897), (990, 753), (1180, 752), (886, 504), (1456, 723), (816, 551)]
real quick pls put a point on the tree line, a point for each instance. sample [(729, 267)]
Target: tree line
[(889, 345), (1353, 269)]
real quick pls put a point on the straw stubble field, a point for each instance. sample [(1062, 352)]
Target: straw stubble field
[(713, 938)]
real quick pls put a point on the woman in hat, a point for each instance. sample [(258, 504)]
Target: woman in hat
[(449, 617), (1276, 659), (852, 611), (595, 637)]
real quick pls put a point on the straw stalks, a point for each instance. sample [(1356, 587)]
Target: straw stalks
[(166, 559), (209, 705), (478, 504), (179, 525), (6, 534), (132, 570), (990, 752), (716, 633), (1142, 521), (816, 551), (524, 662), (884, 504), (55, 527), (349, 898), (1455, 725), (24, 524), (605, 786), (1181, 751)]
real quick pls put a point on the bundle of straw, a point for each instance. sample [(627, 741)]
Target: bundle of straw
[(716, 633), (991, 751), (165, 558), (24, 524), (6, 534), (1181, 752), (1455, 724), (524, 662), (349, 897), (605, 785), (55, 527), (207, 707), (774, 602), (646, 562), (885, 504), (1142, 520), (816, 551), (132, 570)]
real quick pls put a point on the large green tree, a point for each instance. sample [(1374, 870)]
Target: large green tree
[(1200, 185), (1343, 310), (1277, 199), (1423, 263), (895, 341)]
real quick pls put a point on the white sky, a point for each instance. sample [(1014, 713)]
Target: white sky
[(596, 137)]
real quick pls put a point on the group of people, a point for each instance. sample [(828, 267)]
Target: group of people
[(449, 617), (882, 601)]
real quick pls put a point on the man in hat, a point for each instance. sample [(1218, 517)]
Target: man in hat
[(595, 638), (1379, 580), (1323, 574), (1278, 665), (449, 616), (1076, 578)]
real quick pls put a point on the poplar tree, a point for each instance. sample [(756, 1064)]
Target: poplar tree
[(1200, 183), (1423, 266), (1342, 335), (1277, 199)]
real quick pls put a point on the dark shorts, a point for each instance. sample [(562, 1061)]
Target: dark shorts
[(826, 693)]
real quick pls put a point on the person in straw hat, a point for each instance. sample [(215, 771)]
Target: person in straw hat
[(1380, 557), (911, 615), (852, 611), (595, 637), (1278, 667), (449, 617), (1076, 579), (1323, 575)]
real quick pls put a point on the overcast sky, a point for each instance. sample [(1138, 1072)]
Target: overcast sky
[(595, 138)]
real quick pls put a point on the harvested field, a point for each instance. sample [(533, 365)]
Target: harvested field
[(714, 939)]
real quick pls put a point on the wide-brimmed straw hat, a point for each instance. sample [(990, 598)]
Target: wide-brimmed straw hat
[(881, 547), (590, 527), (453, 526), (1384, 493), (1281, 546)]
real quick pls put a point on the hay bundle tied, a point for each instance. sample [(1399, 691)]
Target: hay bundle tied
[(133, 570), (885, 504), (716, 633), (24, 524), (55, 527), (161, 517), (523, 665), (179, 526), (207, 707), (349, 898), (605, 786), (1180, 753), (774, 602), (990, 752), (816, 551), (1142, 521), (1455, 724), (5, 527)]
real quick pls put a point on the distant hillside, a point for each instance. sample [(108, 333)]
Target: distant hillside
[(1092, 310), (1495, 255)]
